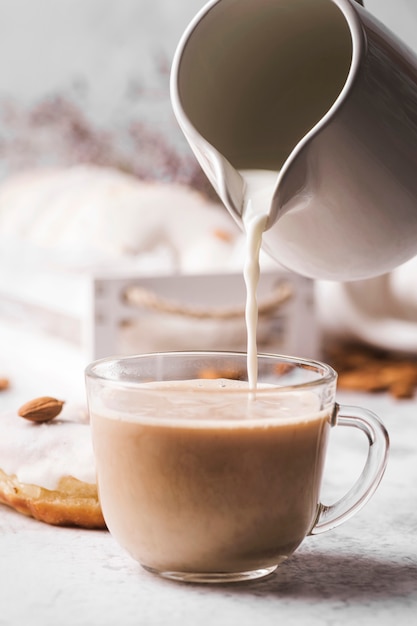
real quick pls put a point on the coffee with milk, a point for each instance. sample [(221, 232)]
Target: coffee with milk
[(231, 494)]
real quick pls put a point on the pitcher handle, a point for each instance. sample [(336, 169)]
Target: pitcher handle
[(335, 514)]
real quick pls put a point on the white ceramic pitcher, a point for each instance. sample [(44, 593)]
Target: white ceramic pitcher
[(324, 95)]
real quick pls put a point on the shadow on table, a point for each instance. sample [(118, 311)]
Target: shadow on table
[(318, 575)]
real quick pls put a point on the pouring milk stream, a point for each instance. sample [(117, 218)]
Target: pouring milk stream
[(258, 193)]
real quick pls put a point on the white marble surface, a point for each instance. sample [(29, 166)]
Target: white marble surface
[(362, 573)]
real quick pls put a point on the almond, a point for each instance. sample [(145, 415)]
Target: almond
[(223, 235), (212, 373), (41, 410), (4, 384)]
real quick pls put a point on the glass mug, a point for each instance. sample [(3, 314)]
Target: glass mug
[(202, 479)]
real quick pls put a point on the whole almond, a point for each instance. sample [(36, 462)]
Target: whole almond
[(41, 410), (4, 384)]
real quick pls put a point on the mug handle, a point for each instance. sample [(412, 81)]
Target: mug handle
[(329, 517)]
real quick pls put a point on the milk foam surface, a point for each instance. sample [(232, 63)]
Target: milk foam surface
[(219, 403)]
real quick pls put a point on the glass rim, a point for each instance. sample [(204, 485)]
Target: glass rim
[(325, 373)]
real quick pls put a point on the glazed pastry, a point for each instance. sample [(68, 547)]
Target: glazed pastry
[(47, 470)]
